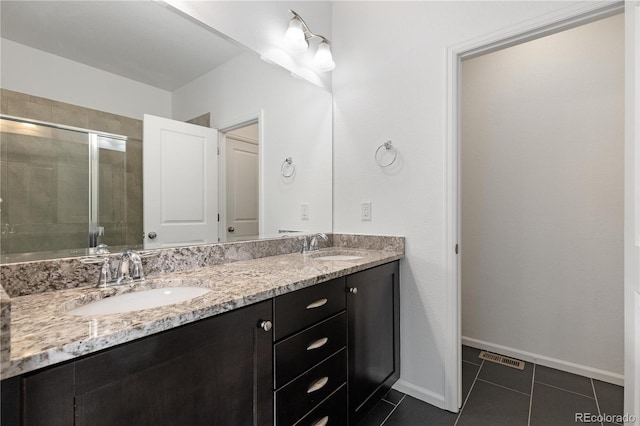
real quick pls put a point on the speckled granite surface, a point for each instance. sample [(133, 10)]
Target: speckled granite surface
[(369, 242), (24, 278), (5, 329), (42, 333)]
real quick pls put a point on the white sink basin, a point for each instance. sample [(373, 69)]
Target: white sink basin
[(139, 300), (339, 257)]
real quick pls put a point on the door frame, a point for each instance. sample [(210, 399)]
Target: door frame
[(572, 16), (223, 129)]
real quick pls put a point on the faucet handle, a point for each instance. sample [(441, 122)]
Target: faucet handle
[(323, 236), (314, 241), (137, 273), (122, 270), (105, 270), (305, 243)]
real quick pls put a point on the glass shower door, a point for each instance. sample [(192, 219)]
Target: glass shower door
[(44, 187), (61, 189)]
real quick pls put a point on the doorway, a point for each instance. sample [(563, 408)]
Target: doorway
[(542, 200), (241, 158), (550, 24), (542, 203)]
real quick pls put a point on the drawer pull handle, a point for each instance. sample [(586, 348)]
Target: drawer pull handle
[(322, 422), (318, 344), (317, 303), (318, 384)]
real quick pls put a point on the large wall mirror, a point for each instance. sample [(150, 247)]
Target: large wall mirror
[(241, 149)]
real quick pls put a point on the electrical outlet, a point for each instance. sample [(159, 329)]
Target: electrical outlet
[(304, 211), (366, 211)]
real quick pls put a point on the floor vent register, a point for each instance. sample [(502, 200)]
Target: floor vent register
[(503, 360)]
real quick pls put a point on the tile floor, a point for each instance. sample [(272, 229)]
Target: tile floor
[(496, 395)]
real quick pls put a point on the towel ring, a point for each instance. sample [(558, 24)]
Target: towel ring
[(388, 146), (287, 164)]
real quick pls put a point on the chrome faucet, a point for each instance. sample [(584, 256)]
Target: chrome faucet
[(313, 244), (310, 242), (128, 268), (305, 244)]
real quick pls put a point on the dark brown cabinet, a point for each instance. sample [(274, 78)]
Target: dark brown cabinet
[(332, 354), (373, 308), (310, 354), (216, 371), (355, 378)]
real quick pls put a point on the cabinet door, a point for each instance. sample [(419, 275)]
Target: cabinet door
[(212, 372), (47, 397), (374, 336)]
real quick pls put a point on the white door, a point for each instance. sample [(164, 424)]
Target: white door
[(180, 183), (242, 189)]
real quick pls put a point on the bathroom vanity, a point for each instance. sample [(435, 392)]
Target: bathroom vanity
[(319, 347)]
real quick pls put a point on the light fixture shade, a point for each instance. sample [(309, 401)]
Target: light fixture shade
[(294, 39), (323, 61)]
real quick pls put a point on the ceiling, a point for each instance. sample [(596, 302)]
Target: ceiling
[(140, 40)]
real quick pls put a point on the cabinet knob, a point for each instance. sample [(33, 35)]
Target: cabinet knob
[(266, 325), (353, 290)]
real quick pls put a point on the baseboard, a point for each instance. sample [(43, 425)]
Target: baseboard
[(570, 367), (420, 393)]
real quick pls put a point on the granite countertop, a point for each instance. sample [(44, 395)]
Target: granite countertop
[(43, 333)]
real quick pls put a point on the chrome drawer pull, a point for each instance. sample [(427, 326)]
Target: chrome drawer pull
[(318, 344), (317, 303), (318, 384), (322, 422)]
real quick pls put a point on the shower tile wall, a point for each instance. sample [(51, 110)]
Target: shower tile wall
[(36, 221), (37, 171)]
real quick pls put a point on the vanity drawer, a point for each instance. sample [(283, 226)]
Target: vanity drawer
[(300, 352), (332, 411), (303, 394), (299, 309)]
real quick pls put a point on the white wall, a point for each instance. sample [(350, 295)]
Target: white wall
[(296, 122), (260, 26), (542, 178), (38, 73), (390, 83)]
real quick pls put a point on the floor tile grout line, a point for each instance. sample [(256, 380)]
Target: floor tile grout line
[(394, 409), (504, 387), (565, 390), (466, 398), (386, 400), (533, 381), (595, 396)]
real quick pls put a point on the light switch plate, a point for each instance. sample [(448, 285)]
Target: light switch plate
[(366, 211), (304, 211)]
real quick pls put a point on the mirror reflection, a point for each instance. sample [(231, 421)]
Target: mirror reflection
[(78, 79)]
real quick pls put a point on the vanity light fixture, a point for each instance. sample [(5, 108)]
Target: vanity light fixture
[(297, 38)]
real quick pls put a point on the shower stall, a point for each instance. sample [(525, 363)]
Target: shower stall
[(63, 189)]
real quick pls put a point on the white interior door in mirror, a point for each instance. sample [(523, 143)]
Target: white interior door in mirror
[(242, 189), (180, 183)]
